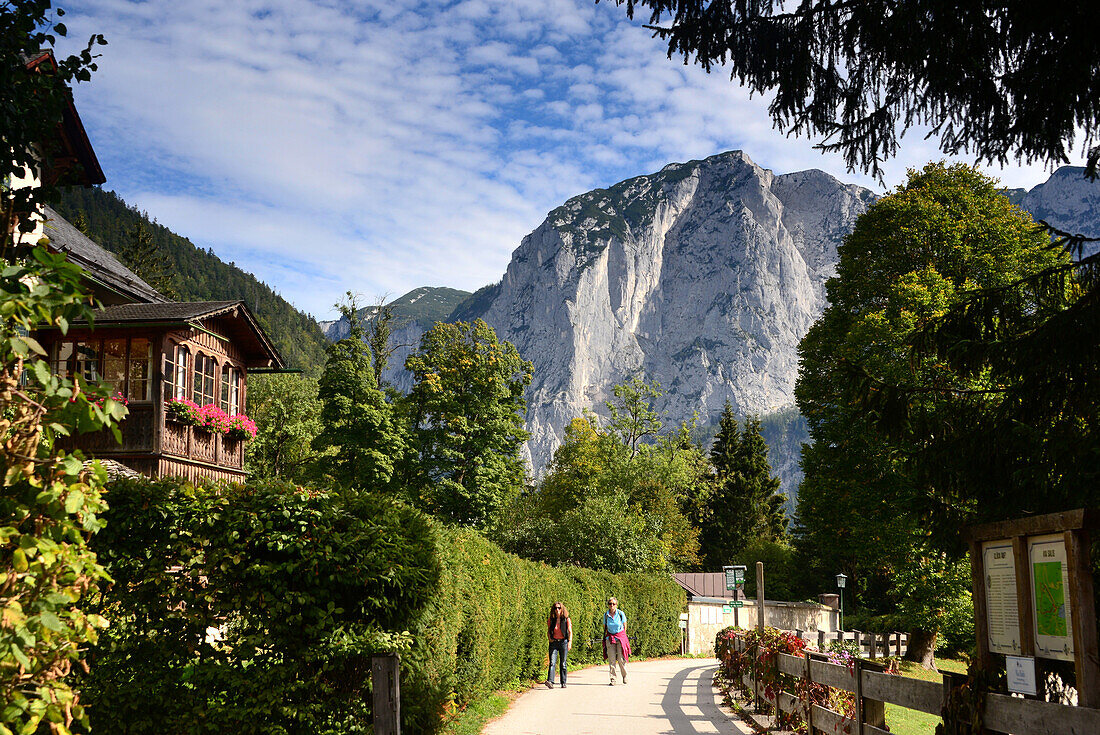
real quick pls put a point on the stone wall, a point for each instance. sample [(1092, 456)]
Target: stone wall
[(706, 616)]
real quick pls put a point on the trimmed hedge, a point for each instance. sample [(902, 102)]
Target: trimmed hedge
[(302, 588), (250, 609), (487, 625)]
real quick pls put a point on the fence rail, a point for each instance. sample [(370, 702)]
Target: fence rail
[(888, 644), (874, 689)]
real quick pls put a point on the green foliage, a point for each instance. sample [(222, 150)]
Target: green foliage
[(632, 417), (357, 423), (486, 626), (145, 258), (466, 413), (252, 609), (600, 507), (744, 504), (201, 275), (862, 73), (866, 506), (50, 504), (287, 411), (781, 578)]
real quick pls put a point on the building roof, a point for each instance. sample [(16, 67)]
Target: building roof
[(704, 584), (243, 328), (72, 139), (100, 264)]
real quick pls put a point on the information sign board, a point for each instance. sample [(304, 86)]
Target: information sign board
[(1050, 596), (735, 577), (1021, 675), (1002, 611)]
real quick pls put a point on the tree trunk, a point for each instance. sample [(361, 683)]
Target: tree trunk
[(922, 648)]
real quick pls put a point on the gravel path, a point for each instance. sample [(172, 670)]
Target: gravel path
[(665, 697)]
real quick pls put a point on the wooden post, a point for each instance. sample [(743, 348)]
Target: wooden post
[(874, 710), (859, 642), (1083, 619), (760, 596), (897, 644), (821, 640), (385, 674), (857, 670), (809, 697)]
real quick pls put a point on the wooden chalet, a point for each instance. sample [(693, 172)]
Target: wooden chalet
[(149, 349)]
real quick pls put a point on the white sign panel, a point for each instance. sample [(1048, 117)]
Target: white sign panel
[(1050, 596), (1002, 612), (1021, 674)]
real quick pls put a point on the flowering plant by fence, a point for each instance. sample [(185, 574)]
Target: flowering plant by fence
[(241, 427), (755, 654), (182, 411)]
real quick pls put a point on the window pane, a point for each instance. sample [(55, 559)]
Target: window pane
[(141, 360), (62, 361), (227, 378), (114, 364), (181, 372), (235, 392), (87, 360), (203, 389)]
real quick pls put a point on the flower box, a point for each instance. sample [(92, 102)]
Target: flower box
[(241, 428), (182, 411)]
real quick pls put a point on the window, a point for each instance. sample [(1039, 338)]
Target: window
[(63, 359), (87, 360), (141, 363), (125, 365), (231, 390), (114, 363), (203, 389), (179, 382)]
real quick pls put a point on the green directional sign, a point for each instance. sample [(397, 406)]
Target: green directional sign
[(735, 577), (737, 603)]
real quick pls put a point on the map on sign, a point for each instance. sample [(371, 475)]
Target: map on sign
[(1050, 598)]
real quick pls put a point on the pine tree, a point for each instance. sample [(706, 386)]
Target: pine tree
[(745, 503), (360, 434), (148, 260)]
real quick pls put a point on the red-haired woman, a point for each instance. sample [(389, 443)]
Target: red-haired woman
[(559, 630)]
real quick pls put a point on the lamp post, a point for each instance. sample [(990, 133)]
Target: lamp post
[(840, 580)]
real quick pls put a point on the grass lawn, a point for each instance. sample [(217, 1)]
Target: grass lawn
[(479, 712), (904, 721)]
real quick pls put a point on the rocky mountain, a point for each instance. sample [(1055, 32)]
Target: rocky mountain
[(703, 276), (1068, 201), (422, 306)]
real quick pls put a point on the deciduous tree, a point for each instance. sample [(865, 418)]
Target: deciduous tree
[(466, 412)]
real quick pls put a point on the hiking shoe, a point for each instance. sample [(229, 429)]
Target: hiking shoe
[(549, 684), (624, 678), (563, 685), (611, 683)]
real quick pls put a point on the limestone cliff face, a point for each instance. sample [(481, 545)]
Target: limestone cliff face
[(703, 276), (1068, 201)]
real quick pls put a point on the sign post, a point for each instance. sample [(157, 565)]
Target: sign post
[(1033, 599)]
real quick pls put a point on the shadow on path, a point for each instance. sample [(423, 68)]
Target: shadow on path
[(701, 709)]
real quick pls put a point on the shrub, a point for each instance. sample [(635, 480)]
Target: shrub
[(251, 609), (487, 624)]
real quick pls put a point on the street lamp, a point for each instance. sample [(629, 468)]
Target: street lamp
[(840, 580)]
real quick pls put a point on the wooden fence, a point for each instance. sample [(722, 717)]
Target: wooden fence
[(873, 689), (872, 644)]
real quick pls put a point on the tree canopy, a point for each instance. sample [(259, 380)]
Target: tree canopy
[(860, 73), (868, 504)]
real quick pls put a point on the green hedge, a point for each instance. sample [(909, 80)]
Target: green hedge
[(304, 586), (486, 627)]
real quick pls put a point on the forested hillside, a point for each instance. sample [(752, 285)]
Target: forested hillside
[(201, 275)]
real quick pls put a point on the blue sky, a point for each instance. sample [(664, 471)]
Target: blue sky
[(378, 146)]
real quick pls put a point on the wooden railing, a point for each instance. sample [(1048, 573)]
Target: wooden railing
[(873, 644), (873, 689)]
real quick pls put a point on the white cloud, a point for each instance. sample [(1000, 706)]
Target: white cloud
[(379, 146)]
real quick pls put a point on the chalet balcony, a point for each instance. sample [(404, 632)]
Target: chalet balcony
[(199, 445)]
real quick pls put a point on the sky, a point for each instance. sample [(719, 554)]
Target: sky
[(377, 146)]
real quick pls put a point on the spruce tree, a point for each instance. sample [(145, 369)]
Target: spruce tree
[(141, 253), (360, 435)]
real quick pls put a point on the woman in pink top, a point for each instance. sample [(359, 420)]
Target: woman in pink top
[(559, 630)]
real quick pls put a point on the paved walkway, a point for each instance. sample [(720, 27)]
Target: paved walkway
[(666, 697)]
